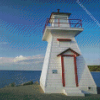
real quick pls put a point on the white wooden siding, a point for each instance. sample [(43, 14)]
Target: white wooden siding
[(45, 65), (68, 53), (64, 44), (84, 75)]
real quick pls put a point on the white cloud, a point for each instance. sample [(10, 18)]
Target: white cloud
[(22, 63), (4, 60), (19, 58), (27, 60)]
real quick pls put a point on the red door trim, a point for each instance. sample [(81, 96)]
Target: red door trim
[(75, 68), (76, 76), (63, 75)]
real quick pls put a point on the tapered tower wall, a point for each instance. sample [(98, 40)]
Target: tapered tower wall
[(85, 78), (57, 28), (44, 72), (52, 83)]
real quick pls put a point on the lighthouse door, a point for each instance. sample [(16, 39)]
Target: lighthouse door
[(69, 72)]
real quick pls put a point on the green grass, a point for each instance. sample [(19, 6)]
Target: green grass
[(94, 67), (34, 92)]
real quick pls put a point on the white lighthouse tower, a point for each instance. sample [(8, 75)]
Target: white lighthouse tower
[(64, 69)]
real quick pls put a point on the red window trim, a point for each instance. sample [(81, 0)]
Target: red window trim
[(60, 39)]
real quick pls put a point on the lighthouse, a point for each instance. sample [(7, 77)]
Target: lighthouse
[(64, 69)]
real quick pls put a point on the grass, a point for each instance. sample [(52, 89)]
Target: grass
[(94, 67), (34, 92)]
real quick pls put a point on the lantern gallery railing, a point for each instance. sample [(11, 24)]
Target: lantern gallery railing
[(63, 22)]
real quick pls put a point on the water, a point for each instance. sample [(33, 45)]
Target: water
[(96, 77), (19, 77)]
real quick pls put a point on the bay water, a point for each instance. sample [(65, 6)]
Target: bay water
[(19, 77)]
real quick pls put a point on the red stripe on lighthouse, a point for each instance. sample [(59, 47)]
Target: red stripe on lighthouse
[(63, 76), (58, 22), (76, 76)]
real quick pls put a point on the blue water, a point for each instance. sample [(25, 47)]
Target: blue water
[(19, 77), (96, 77)]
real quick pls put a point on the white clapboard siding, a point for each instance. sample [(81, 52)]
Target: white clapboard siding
[(53, 77), (61, 35), (55, 60), (84, 75), (45, 66), (55, 81), (54, 84), (55, 65)]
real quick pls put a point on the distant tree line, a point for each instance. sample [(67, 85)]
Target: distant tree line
[(94, 67)]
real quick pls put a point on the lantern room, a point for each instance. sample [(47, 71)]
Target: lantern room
[(60, 21)]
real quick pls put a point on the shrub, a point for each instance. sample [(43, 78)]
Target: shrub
[(94, 67), (12, 84), (28, 83)]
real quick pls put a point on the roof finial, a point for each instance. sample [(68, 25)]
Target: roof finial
[(58, 10)]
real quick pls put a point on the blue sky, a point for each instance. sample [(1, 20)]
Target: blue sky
[(22, 23)]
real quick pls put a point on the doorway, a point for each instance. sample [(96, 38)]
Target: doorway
[(69, 71)]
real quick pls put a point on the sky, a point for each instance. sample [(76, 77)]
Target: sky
[(21, 31)]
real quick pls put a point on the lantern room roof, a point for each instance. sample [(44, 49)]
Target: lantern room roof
[(59, 13)]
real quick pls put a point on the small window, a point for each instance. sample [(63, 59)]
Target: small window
[(54, 71)]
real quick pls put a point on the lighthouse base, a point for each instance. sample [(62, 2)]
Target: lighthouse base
[(73, 92), (67, 91)]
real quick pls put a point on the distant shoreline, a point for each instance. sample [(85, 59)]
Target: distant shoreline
[(94, 71), (94, 68)]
